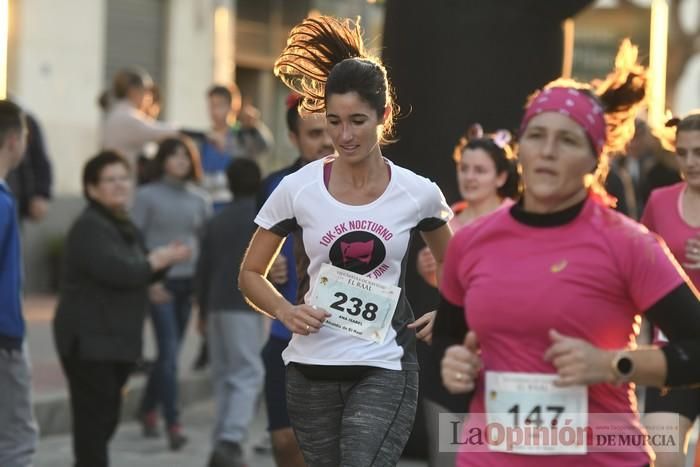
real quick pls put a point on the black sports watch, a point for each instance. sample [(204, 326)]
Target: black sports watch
[(623, 366)]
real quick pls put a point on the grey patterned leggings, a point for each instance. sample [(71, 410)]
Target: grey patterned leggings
[(357, 423)]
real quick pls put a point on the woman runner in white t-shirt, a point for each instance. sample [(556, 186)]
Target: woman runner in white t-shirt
[(352, 371)]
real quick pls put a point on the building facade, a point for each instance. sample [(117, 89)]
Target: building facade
[(63, 54)]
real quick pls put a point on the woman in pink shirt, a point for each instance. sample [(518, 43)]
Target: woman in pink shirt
[(487, 178), (673, 213), (541, 302)]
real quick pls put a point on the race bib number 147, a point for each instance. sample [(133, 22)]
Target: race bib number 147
[(529, 406)]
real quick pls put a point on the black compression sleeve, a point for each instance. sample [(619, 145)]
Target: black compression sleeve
[(678, 316), (450, 327)]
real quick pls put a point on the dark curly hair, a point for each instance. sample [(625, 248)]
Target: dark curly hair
[(497, 146)]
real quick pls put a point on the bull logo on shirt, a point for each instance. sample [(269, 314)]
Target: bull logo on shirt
[(360, 252)]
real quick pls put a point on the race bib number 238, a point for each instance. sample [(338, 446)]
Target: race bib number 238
[(359, 306)]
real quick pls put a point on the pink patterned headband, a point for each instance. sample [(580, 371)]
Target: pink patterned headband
[(576, 105)]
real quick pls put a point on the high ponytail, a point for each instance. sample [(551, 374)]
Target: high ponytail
[(326, 56), (668, 133), (313, 48), (621, 94)]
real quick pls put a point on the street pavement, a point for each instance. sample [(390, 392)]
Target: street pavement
[(129, 448), (48, 383), (47, 377)]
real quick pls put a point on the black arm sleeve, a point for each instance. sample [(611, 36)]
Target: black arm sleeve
[(449, 329), (678, 316)]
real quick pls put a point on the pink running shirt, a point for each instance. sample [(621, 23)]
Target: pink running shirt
[(587, 279), (662, 215)]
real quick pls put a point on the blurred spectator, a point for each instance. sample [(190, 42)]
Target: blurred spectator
[(288, 273), (236, 132), (645, 166), (663, 172), (127, 126), (18, 431), (616, 188), (234, 331), (170, 209), (151, 106), (102, 304), (30, 181)]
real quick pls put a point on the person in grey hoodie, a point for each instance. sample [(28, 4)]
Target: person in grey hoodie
[(170, 209)]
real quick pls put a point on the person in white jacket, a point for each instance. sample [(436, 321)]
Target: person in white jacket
[(127, 128)]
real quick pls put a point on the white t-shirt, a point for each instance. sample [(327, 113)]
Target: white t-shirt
[(371, 239)]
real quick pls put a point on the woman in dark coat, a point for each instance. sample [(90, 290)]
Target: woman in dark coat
[(103, 300)]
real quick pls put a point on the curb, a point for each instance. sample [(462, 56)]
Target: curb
[(52, 412)]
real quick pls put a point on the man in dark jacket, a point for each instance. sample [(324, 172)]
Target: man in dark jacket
[(30, 181), (234, 330)]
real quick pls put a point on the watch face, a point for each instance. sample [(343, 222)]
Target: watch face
[(624, 365)]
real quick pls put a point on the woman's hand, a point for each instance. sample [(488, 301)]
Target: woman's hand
[(461, 364), (38, 207), (302, 319), (278, 271), (158, 294), (578, 362), (427, 266), (692, 253), (426, 322), (249, 116), (178, 252), (172, 253)]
